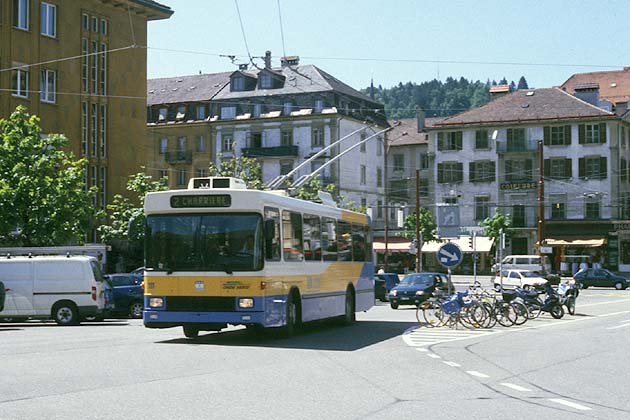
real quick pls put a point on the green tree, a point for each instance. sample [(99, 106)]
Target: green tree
[(309, 190), (245, 168), (43, 199), (492, 225), (126, 217), (522, 83), (428, 227)]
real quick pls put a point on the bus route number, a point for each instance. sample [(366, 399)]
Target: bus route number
[(215, 200)]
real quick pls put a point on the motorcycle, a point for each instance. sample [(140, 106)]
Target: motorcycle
[(567, 295), (536, 305)]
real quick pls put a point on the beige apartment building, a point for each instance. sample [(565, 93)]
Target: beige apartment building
[(77, 65)]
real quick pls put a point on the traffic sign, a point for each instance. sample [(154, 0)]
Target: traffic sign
[(449, 255)]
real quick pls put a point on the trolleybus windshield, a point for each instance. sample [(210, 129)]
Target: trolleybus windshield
[(204, 242)]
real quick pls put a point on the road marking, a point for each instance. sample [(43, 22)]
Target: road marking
[(423, 337), (433, 356), (477, 374), (570, 404), (452, 364), (422, 349), (618, 326), (516, 387), (603, 303)]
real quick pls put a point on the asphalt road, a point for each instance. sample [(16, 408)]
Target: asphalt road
[(383, 367)]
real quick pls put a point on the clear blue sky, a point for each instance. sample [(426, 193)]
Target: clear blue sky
[(551, 33)]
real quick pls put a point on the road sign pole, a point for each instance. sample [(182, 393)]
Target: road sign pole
[(449, 282), (474, 255)]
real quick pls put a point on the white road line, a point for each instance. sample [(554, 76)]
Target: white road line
[(516, 387), (570, 404), (477, 374), (452, 364), (433, 356), (603, 303), (618, 326), (422, 349)]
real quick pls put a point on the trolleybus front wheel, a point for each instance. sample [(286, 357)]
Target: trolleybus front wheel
[(191, 331)]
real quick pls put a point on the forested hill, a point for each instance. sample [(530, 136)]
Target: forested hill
[(437, 98)]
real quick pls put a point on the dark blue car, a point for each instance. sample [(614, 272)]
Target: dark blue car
[(415, 288), (128, 295), (383, 283)]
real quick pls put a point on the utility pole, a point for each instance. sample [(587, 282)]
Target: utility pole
[(418, 241), (541, 199)]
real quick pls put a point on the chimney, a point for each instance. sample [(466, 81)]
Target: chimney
[(588, 92), (420, 117), (290, 60), (498, 91), (268, 59)]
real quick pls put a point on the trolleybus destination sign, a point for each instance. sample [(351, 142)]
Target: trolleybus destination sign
[(205, 200)]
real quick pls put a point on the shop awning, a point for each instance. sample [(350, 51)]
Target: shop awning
[(589, 243), (483, 244), (391, 246)]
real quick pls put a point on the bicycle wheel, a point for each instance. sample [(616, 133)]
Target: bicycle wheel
[(491, 319), (433, 315), (534, 309), (476, 314), (505, 313), (522, 314)]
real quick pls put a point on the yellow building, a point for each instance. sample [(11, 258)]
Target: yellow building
[(79, 67)]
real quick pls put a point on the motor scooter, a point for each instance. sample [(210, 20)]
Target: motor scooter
[(567, 295)]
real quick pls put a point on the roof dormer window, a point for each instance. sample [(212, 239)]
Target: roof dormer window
[(238, 84), (265, 81)]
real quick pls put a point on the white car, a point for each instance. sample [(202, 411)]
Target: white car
[(522, 278)]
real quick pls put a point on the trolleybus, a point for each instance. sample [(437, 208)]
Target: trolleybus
[(218, 253)]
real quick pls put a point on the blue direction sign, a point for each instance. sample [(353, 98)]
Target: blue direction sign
[(449, 255)]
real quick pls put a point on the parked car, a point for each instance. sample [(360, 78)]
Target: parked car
[(383, 283), (600, 277), (139, 270), (3, 295), (522, 278), (128, 295), (415, 288)]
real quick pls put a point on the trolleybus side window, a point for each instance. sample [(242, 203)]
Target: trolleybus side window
[(358, 243), (329, 239), (312, 236), (292, 236), (344, 241), (368, 243), (272, 245)]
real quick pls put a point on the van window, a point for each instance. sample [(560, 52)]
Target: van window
[(96, 270), (508, 260), (522, 260)]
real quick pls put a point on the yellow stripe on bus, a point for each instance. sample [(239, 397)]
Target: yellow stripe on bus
[(354, 217)]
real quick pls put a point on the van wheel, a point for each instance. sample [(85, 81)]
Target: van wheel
[(65, 314), (135, 310)]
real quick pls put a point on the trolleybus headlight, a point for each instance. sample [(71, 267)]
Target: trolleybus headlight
[(156, 302), (246, 303)]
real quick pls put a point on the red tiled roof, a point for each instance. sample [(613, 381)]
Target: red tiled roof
[(614, 86)]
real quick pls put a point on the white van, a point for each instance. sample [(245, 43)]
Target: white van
[(66, 289), (521, 262)]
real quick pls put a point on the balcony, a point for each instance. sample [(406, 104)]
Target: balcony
[(277, 151), (517, 147), (180, 156)]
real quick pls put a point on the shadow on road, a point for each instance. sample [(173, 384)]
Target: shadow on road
[(314, 336)]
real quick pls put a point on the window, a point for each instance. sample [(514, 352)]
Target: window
[(399, 162), (163, 145), (103, 68), (312, 238), (329, 239), (182, 177), (257, 110), (362, 146), (227, 141), (592, 210), (287, 108), (48, 21), (201, 173), (359, 244), (424, 160), (265, 81), (201, 112), (592, 133), (19, 84), (518, 170), (558, 208), (344, 241), (20, 14), (254, 139), (181, 144), (451, 140), (103, 131), (379, 177), (85, 22), (623, 169), (272, 245), (363, 174), (163, 176), (317, 137), (94, 128), (228, 112), (48, 86), (238, 84), (94, 21), (482, 171), (516, 140), (94, 173), (286, 166), (482, 207), (481, 139), (292, 245), (181, 113), (593, 167), (201, 144), (557, 136), (286, 138), (104, 26), (379, 209), (450, 172), (557, 168), (84, 128), (103, 187), (379, 146), (94, 59), (163, 114), (85, 50), (319, 105), (518, 215)]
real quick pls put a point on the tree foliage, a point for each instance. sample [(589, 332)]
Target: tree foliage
[(428, 227), (43, 200), (492, 225), (245, 168), (437, 98), (310, 190), (126, 218)]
